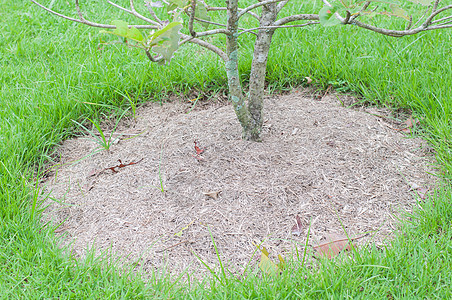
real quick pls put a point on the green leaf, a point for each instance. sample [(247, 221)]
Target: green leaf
[(173, 4), (122, 29), (387, 1), (166, 40), (422, 2), (399, 12), (201, 13), (327, 17)]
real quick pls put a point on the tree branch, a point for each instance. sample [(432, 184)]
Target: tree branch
[(245, 10), (133, 12), (192, 18), (278, 27), (294, 18), (89, 23), (281, 5), (152, 12), (224, 8), (214, 49)]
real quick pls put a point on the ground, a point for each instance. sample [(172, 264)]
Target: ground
[(334, 167)]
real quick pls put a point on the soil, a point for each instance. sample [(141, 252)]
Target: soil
[(336, 168)]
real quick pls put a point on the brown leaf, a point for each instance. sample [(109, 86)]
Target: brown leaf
[(410, 122), (333, 245), (213, 194), (198, 150), (422, 192), (308, 80), (297, 229)]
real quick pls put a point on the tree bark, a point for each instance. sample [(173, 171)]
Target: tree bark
[(236, 95), (258, 72)]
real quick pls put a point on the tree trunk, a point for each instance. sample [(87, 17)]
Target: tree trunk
[(236, 95), (258, 71)]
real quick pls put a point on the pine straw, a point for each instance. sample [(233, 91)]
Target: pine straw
[(318, 160)]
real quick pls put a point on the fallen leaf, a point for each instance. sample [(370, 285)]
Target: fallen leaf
[(308, 80), (266, 265), (213, 194), (422, 192), (198, 150), (198, 157), (297, 229), (333, 245), (410, 122)]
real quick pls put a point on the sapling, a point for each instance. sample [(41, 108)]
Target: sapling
[(173, 23)]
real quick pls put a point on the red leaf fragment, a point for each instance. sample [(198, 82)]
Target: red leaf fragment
[(121, 165), (197, 149), (297, 229), (410, 122)]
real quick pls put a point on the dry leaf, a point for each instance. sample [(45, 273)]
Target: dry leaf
[(297, 229), (269, 267), (308, 80), (198, 150), (410, 122), (333, 245), (422, 192), (213, 194)]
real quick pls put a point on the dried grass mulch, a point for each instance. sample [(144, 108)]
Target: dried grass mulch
[(318, 160)]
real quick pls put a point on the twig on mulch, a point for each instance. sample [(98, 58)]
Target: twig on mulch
[(121, 165)]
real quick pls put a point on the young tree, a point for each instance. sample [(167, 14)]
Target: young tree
[(166, 37)]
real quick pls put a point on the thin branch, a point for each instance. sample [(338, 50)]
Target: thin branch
[(434, 14), (281, 5), (441, 20), (133, 12), (153, 59), (365, 6), (277, 27), (214, 49), (245, 10), (89, 23), (224, 8), (435, 5), (399, 33), (294, 18), (152, 12), (212, 32), (192, 18)]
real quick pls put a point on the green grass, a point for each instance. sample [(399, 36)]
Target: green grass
[(52, 71)]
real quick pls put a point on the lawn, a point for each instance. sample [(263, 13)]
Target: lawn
[(55, 71)]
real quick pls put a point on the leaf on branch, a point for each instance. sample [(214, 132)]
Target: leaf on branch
[(327, 17), (122, 29), (201, 13), (173, 4), (154, 4), (387, 1), (399, 12), (166, 40), (422, 2)]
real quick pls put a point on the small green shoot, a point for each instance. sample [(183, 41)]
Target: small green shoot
[(104, 141)]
